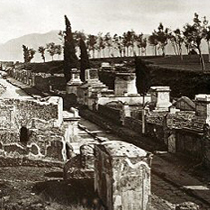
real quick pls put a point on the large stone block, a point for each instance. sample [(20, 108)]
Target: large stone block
[(202, 104), (160, 97), (125, 84), (122, 176)]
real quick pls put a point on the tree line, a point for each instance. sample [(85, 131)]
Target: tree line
[(131, 43), (51, 48)]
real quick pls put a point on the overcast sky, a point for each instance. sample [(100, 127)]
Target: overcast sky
[(20, 17)]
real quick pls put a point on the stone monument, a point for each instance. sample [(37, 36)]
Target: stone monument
[(160, 97), (122, 176)]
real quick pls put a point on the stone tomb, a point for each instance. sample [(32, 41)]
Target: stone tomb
[(74, 82), (125, 84), (122, 176), (160, 97), (202, 102)]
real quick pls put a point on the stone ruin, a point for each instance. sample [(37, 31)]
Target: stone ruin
[(74, 82), (125, 84), (121, 172), (160, 97), (93, 92), (122, 176), (35, 129)]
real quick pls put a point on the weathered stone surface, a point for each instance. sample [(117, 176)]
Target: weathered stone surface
[(125, 84), (160, 96), (35, 128), (187, 206), (122, 175)]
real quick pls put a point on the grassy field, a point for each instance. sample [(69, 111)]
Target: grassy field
[(189, 62)]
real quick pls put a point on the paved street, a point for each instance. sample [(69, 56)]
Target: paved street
[(12, 91)]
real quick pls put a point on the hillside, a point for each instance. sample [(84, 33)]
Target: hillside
[(12, 50)]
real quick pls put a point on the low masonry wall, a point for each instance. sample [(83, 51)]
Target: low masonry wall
[(25, 110), (189, 142), (178, 140), (32, 129)]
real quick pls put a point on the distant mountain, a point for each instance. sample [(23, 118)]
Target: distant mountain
[(12, 50)]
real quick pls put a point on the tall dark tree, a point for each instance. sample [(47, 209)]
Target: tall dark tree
[(84, 60), (153, 42), (41, 50), (162, 37), (208, 40), (142, 77), (28, 54), (51, 49), (70, 58)]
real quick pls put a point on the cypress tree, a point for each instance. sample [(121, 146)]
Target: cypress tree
[(84, 60), (142, 77), (70, 58)]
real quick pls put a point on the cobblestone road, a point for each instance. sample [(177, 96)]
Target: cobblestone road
[(171, 194)]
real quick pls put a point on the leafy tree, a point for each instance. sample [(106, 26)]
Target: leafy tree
[(208, 40), (194, 34), (179, 39), (162, 37), (91, 43), (101, 44), (51, 49), (118, 44), (77, 35), (172, 39), (28, 54), (128, 41), (70, 58), (41, 50), (84, 60), (144, 46), (61, 37), (139, 40), (154, 42), (108, 42), (58, 49)]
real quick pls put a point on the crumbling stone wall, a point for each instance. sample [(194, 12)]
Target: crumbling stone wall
[(189, 143), (25, 110), (42, 123)]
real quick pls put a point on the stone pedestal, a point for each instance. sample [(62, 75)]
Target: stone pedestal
[(72, 118), (91, 75), (122, 176), (202, 106), (125, 84), (160, 96), (72, 85)]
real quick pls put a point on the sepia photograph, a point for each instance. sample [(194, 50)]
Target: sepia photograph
[(105, 105)]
